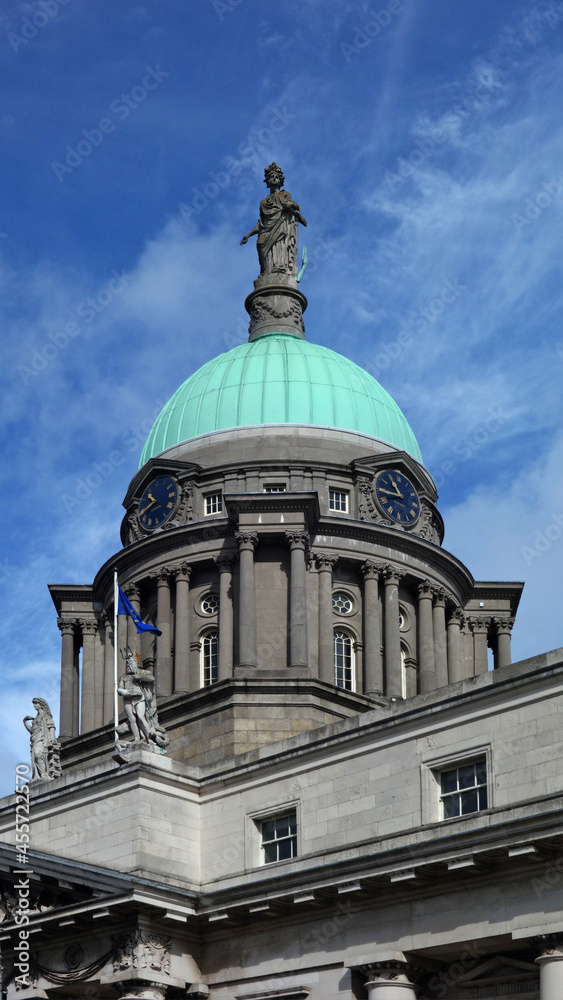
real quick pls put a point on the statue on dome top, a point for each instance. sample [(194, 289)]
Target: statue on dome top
[(277, 227)]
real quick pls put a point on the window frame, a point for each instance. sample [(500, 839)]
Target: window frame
[(349, 634), (209, 498), (456, 794), (253, 833), (274, 488), (341, 591), (205, 635), (341, 493), (432, 768)]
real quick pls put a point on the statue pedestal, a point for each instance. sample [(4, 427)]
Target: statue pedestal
[(275, 307)]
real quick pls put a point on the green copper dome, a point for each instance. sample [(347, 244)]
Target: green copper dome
[(279, 378)]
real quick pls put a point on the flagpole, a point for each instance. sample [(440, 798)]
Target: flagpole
[(115, 644)]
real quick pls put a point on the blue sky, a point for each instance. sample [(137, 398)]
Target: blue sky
[(424, 142)]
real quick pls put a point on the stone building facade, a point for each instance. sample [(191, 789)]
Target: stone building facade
[(361, 795)]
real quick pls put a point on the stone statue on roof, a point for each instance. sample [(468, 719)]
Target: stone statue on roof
[(45, 749), (277, 227), (139, 701)]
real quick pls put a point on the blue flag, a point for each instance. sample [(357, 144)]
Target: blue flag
[(124, 607)]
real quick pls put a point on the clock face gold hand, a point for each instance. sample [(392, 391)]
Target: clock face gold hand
[(394, 484), (391, 493), (141, 512)]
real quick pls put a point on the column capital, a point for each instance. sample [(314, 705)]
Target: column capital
[(106, 619), (88, 626), (440, 598), (162, 576), (479, 624), (246, 540), (225, 561), (67, 625), (503, 625), (325, 562), (550, 948), (456, 617), (391, 574), (424, 590), (370, 570), (400, 976), (182, 572), (132, 591), (298, 539)]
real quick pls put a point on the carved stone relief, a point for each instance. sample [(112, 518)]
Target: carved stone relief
[(142, 950)]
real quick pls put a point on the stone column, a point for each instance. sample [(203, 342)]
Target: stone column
[(91, 699), (373, 667), (182, 629), (133, 637), (226, 619), (247, 542), (298, 647), (480, 628), (391, 980), (503, 628), (392, 644), (163, 642), (68, 725), (551, 971), (440, 644), (107, 621), (455, 657), (426, 661), (325, 564)]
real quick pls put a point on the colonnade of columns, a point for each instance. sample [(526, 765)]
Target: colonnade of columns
[(440, 648), (441, 644)]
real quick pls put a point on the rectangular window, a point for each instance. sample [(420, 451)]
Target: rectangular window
[(463, 789), (213, 503), (279, 838), (275, 488), (338, 500)]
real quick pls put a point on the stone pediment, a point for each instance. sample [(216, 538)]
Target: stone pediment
[(158, 467), (51, 885), (403, 462), (499, 970)]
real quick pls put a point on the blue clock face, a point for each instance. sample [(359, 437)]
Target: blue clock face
[(397, 497), (158, 502)]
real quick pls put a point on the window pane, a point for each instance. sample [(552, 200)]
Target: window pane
[(483, 798), (268, 829), (270, 853), (451, 806), (293, 824), (468, 802), (449, 781), (282, 827), (285, 851), (466, 775), (481, 772)]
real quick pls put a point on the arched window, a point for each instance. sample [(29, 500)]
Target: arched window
[(209, 657), (403, 671), (343, 660)]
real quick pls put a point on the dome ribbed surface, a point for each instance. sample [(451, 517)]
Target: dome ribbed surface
[(279, 379)]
